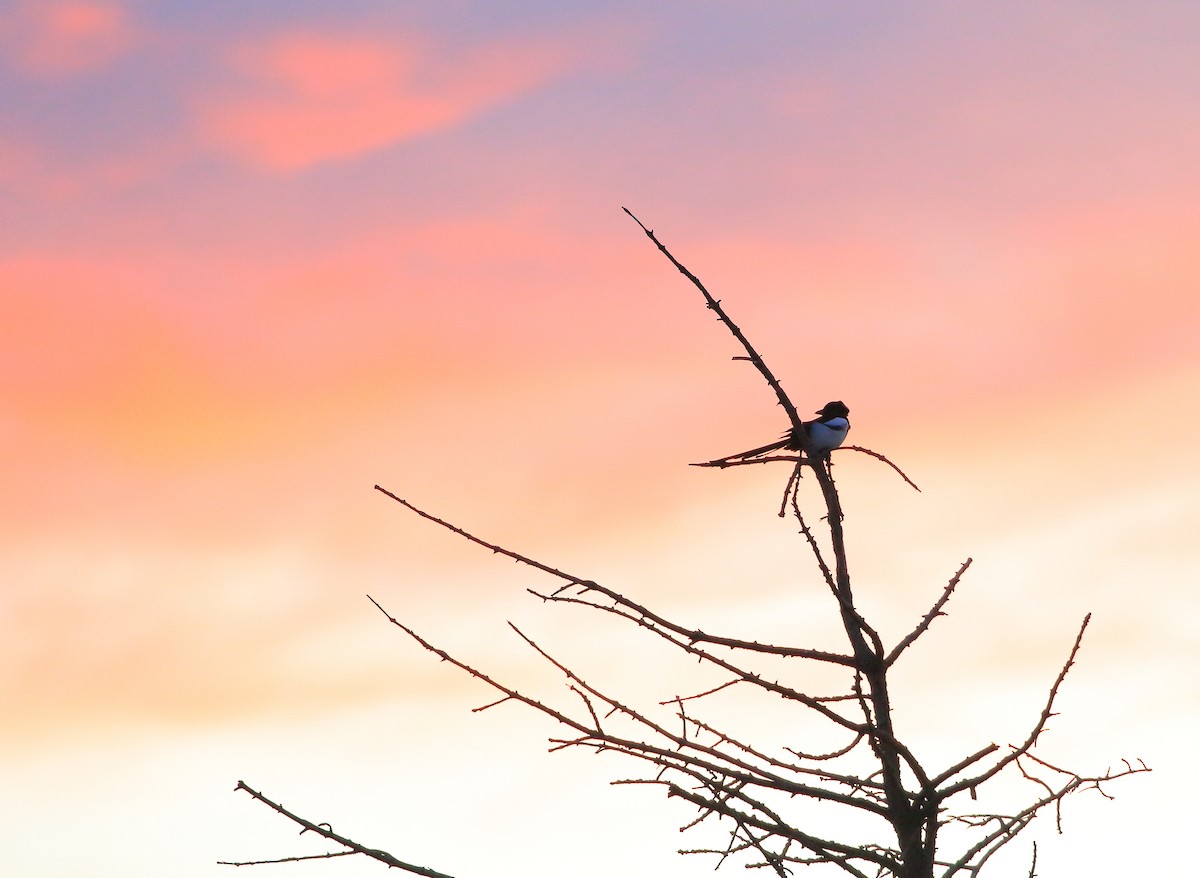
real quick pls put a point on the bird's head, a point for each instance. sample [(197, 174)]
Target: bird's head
[(835, 409)]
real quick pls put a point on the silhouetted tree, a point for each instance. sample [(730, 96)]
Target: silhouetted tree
[(920, 816)]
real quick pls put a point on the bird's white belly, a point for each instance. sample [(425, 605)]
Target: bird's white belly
[(827, 435)]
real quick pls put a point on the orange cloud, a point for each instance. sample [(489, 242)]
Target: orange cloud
[(310, 98), (67, 38)]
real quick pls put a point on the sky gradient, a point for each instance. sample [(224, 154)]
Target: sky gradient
[(259, 257)]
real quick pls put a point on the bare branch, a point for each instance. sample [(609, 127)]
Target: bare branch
[(826, 573), (1039, 726), (879, 456), (328, 856), (689, 646), (1008, 827), (833, 754), (738, 460), (714, 305), (738, 769), (324, 830), (499, 550), (717, 800), (851, 781), (963, 764), (647, 618), (780, 828), (694, 635), (749, 786), (679, 699), (927, 620), (725, 764)]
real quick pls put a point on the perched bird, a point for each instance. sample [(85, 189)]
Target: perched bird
[(818, 437)]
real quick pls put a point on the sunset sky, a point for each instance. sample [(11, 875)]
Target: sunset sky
[(260, 256)]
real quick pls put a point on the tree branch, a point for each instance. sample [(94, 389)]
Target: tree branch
[(1039, 726), (742, 674), (323, 830), (674, 759), (648, 618), (878, 456), (714, 305), (927, 620)]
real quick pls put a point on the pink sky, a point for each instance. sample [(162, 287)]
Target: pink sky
[(259, 258)]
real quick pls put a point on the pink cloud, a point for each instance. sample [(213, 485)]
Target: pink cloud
[(56, 39), (38, 173), (309, 98)]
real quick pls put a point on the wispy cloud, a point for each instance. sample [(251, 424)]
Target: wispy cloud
[(59, 39), (306, 98)]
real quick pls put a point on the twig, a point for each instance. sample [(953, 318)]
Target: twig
[(724, 765), (689, 646), (878, 456), (323, 830), (649, 619), (724, 462), (927, 619), (328, 856), (754, 356), (1035, 733), (499, 550)]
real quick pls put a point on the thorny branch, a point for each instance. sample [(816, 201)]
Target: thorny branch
[(715, 306), (1008, 826), (680, 750), (927, 620), (725, 462), (326, 831), (1034, 734)]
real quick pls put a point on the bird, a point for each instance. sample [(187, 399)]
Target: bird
[(818, 437)]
